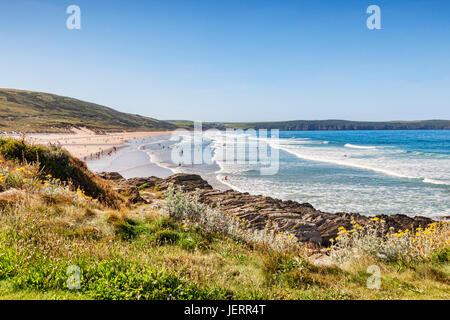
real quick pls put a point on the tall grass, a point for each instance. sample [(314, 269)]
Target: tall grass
[(384, 244), (190, 250), (185, 208), (59, 164)]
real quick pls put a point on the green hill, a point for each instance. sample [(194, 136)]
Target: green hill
[(301, 125), (29, 111)]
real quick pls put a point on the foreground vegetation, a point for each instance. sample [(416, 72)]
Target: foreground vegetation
[(51, 231)]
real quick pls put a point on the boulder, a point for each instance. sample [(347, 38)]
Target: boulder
[(135, 197), (110, 175), (188, 182), (148, 181)]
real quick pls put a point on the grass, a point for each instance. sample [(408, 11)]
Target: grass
[(29, 111), (48, 231), (143, 254), (56, 163)]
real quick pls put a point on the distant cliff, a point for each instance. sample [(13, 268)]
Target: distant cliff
[(301, 125)]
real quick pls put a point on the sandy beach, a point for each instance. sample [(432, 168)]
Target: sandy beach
[(84, 143), (152, 156)]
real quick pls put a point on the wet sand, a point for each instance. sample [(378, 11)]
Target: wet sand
[(152, 156), (130, 163)]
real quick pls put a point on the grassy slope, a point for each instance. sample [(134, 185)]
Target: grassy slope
[(29, 111), (59, 164), (138, 252), (42, 112), (142, 254)]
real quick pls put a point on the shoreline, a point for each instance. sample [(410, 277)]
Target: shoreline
[(150, 156), (84, 143), (145, 154)]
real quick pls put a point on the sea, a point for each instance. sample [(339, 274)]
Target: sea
[(369, 172)]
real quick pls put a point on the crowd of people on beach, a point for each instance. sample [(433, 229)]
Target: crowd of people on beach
[(100, 154)]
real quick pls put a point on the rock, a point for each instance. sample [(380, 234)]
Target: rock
[(148, 181), (320, 259), (135, 197), (110, 175), (442, 218), (11, 196), (188, 182), (300, 219)]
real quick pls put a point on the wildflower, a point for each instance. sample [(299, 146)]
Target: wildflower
[(375, 219)]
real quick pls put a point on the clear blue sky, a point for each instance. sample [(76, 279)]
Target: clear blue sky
[(235, 60)]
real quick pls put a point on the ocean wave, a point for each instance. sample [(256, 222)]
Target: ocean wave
[(360, 166), (433, 181), (153, 159), (289, 145), (429, 154), (221, 179), (355, 146)]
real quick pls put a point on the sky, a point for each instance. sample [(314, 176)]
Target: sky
[(235, 60)]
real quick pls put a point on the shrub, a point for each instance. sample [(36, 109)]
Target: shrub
[(386, 245), (115, 279), (185, 208), (59, 164), (29, 178), (293, 271), (166, 237), (123, 227)]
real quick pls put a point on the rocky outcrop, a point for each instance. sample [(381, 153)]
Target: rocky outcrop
[(300, 219), (148, 182), (110, 175), (11, 196), (189, 182), (135, 197)]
